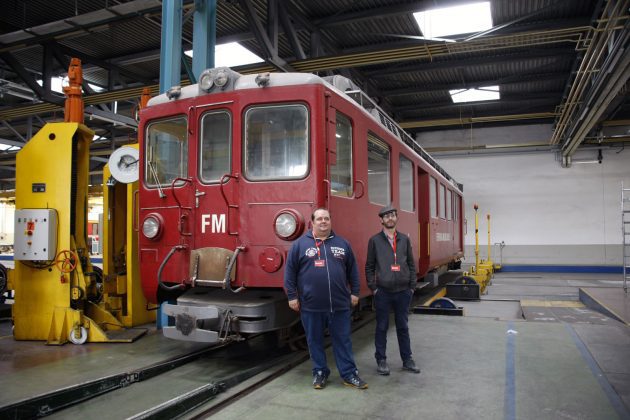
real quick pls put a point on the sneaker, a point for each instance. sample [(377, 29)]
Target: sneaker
[(410, 365), (382, 368), (355, 382), (319, 380)]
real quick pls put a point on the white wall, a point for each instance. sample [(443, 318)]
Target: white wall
[(546, 214)]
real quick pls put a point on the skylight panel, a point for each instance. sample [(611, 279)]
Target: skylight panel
[(474, 17), (232, 54), (486, 93)]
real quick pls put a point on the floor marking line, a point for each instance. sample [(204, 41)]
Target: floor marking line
[(613, 397), (509, 396)]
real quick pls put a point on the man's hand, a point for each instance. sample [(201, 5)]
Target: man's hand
[(295, 305), (354, 299)]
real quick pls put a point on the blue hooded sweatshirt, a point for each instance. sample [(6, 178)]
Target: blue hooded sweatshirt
[(321, 287)]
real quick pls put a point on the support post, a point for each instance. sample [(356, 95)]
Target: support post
[(204, 35), (170, 53)]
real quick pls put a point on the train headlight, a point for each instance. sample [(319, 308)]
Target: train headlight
[(206, 81), (221, 78), (288, 224), (152, 226)]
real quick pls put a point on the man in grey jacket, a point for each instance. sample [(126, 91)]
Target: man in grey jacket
[(391, 275)]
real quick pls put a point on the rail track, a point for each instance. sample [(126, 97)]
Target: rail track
[(184, 386)]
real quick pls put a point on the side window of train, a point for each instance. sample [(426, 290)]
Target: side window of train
[(433, 196), (341, 174), (167, 151), (455, 207), (449, 204), (215, 150), (379, 190), (442, 201), (405, 183), (276, 141)]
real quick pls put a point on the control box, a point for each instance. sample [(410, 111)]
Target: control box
[(35, 235)]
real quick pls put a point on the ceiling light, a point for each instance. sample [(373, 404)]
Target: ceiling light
[(486, 93), (475, 17)]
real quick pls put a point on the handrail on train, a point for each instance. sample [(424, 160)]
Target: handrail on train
[(370, 106)]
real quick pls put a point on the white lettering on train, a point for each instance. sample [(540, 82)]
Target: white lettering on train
[(443, 236), (217, 221)]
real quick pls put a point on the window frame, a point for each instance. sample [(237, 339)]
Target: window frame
[(433, 197), (244, 139), (202, 180), (372, 137), (413, 184), (442, 201), (148, 176), (352, 175)]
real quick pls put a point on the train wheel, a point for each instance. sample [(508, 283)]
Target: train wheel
[(444, 303)]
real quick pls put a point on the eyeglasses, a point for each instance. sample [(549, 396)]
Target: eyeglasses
[(389, 215)]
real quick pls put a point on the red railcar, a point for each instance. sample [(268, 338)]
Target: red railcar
[(231, 169)]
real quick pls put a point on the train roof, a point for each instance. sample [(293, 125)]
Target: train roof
[(222, 79)]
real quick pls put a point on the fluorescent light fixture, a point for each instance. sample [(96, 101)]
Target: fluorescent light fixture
[(57, 83), (8, 147), (231, 54), (486, 93), (455, 20)]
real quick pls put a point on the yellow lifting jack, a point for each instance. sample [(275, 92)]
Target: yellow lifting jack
[(59, 294), (482, 271)]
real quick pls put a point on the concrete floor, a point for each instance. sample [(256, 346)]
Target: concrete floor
[(491, 363), (528, 350)]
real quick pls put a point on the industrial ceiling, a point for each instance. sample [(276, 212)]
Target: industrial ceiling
[(562, 62)]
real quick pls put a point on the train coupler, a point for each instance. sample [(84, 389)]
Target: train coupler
[(194, 323)]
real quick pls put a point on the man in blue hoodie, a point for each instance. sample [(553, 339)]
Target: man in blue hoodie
[(322, 283)]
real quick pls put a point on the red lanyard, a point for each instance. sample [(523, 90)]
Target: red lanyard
[(317, 246), (394, 246)]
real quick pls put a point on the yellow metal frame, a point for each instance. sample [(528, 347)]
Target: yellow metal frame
[(482, 271), (123, 294)]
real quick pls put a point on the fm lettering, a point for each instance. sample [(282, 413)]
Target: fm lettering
[(216, 221)]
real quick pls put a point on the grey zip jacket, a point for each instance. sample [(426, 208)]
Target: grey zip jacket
[(380, 257)]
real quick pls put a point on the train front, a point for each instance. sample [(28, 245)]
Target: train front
[(227, 185)]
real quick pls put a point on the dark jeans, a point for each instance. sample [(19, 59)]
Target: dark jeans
[(338, 324), (383, 302)]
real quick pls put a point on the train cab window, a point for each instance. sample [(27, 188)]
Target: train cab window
[(433, 196), (378, 171), (167, 151), (405, 183), (442, 201), (449, 204), (215, 148), (341, 173), (456, 200), (276, 142)]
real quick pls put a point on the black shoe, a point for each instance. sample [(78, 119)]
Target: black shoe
[(382, 368), (319, 380), (410, 365), (355, 382)]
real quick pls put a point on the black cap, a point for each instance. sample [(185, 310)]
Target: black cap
[(385, 210)]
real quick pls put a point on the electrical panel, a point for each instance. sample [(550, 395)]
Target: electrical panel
[(35, 235)]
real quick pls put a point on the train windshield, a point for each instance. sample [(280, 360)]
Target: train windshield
[(276, 142), (166, 151)]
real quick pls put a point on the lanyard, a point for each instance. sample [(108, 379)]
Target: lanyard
[(317, 246), (393, 244)]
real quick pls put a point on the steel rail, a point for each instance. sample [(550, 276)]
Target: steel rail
[(48, 403)]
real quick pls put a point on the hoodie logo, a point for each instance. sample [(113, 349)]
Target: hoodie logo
[(338, 252), (311, 252)]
